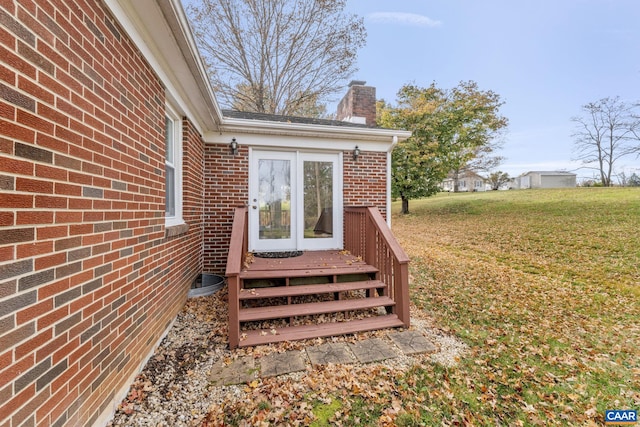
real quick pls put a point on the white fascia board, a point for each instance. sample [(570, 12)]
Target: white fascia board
[(303, 135), (161, 32)]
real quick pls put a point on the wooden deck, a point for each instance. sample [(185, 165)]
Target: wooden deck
[(319, 293), (310, 263)]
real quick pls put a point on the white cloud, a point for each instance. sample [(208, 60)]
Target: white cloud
[(403, 19)]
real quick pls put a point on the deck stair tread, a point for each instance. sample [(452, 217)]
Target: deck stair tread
[(305, 309), (292, 333), (307, 272), (300, 290)]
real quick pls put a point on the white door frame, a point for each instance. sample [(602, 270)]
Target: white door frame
[(297, 241)]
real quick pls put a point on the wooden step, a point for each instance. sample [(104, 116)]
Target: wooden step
[(299, 290), (307, 272), (292, 333), (306, 309)]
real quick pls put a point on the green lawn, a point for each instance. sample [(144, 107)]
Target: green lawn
[(543, 286)]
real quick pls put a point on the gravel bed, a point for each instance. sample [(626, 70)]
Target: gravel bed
[(174, 389)]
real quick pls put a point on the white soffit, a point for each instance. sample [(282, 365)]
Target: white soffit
[(160, 31)]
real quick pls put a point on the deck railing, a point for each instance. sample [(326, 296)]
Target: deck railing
[(367, 235), (237, 253)]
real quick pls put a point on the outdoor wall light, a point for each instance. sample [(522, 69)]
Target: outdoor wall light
[(233, 146), (356, 153)]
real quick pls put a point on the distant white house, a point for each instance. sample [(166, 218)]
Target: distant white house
[(545, 179), (467, 181)]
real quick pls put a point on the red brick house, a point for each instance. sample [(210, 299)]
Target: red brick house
[(119, 185)]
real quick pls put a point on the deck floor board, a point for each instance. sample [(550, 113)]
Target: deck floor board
[(310, 263)]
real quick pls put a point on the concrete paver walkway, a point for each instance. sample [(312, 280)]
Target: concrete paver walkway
[(412, 342), (276, 364), (240, 371), (373, 350), (331, 352), (247, 369)]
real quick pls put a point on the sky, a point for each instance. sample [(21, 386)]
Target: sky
[(545, 58)]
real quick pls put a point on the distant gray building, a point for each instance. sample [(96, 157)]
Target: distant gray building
[(546, 179)]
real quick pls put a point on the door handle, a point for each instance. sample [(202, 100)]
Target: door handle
[(254, 207)]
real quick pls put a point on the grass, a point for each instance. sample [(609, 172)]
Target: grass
[(324, 412), (543, 287)]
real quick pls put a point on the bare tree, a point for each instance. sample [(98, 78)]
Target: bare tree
[(623, 179), (498, 179), (608, 130), (277, 57)]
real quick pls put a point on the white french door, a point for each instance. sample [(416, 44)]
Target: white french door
[(295, 201), (319, 206), (272, 191)]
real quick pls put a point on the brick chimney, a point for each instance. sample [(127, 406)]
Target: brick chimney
[(358, 105)]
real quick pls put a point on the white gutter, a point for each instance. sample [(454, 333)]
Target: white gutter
[(394, 142), (389, 188)]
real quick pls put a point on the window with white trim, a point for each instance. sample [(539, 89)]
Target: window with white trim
[(173, 168)]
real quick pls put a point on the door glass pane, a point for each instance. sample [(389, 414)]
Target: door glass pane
[(274, 199), (318, 199)]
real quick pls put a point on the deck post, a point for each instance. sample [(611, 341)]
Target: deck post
[(234, 309), (401, 291), (235, 259)]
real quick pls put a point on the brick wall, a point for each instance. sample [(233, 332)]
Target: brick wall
[(365, 180), (88, 280), (226, 187)]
